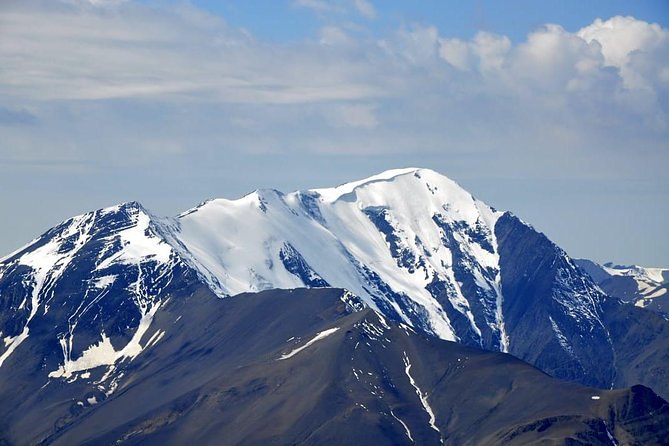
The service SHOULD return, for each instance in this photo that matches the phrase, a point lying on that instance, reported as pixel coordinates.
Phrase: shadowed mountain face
(553, 312)
(641, 338)
(316, 367)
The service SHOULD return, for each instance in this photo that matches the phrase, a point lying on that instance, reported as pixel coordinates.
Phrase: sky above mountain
(558, 111)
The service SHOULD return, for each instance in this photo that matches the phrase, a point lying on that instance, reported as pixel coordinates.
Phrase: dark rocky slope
(217, 377)
(559, 321)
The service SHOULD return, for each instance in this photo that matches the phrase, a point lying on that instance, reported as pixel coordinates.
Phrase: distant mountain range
(644, 287)
(118, 325)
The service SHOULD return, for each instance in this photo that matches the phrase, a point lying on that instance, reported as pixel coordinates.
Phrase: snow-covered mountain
(395, 239)
(411, 243)
(642, 286)
(648, 278)
(95, 283)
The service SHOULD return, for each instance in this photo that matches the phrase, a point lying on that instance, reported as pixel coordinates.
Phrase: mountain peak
(400, 221)
(134, 205)
(332, 194)
(430, 182)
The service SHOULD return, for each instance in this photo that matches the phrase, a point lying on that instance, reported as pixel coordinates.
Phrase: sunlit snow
(236, 244)
(318, 337)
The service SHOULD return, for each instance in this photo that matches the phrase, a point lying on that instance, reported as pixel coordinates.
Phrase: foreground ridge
(214, 379)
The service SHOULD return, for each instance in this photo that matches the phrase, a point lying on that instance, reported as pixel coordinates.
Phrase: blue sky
(282, 20)
(557, 111)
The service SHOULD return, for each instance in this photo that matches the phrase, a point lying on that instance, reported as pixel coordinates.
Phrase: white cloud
(332, 35)
(608, 70)
(485, 52)
(629, 44)
(456, 52)
(365, 8)
(619, 37)
(417, 44)
(552, 57)
(168, 54)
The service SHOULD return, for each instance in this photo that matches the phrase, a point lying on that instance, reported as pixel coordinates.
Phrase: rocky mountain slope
(314, 367)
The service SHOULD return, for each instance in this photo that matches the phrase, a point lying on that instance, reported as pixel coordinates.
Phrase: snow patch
(562, 339)
(406, 428)
(656, 275)
(103, 353)
(334, 193)
(318, 337)
(104, 281)
(656, 293)
(138, 244)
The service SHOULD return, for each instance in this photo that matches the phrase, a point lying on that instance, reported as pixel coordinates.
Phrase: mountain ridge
(641, 286)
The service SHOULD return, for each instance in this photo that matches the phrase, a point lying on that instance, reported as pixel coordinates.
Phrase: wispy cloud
(317, 5)
(137, 52)
(364, 8)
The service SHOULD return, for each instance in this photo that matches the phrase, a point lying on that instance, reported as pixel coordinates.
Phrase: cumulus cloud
(622, 57)
(485, 52)
(610, 71)
(632, 46)
(417, 44)
(619, 37)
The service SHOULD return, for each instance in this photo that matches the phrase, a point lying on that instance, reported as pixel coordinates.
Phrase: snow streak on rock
(422, 396)
(318, 337)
